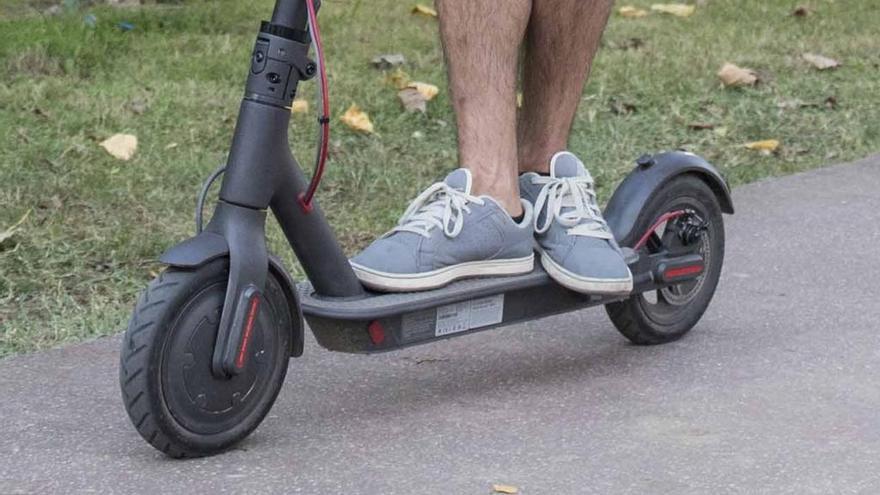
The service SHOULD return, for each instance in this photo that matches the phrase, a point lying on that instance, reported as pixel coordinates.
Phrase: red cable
(663, 218)
(305, 199)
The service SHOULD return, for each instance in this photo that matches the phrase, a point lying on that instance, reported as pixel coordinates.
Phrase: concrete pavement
(777, 390)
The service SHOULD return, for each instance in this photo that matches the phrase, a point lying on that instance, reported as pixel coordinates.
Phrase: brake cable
(305, 198)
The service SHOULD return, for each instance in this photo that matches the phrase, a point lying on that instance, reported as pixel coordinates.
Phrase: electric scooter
(207, 347)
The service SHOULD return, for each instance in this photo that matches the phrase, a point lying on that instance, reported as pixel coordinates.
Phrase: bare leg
(561, 41)
(481, 39)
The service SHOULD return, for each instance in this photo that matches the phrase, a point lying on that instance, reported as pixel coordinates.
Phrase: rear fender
(651, 174)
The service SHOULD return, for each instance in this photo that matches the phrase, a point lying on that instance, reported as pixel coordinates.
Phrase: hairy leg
(561, 41)
(481, 39)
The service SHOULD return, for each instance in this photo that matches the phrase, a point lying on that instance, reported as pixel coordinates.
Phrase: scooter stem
(261, 172)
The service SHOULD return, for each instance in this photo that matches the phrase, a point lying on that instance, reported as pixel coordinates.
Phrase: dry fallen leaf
(299, 106)
(357, 119)
(701, 126)
(121, 146)
(632, 12)
(509, 489)
(424, 10)
(399, 79)
(412, 100)
(732, 75)
(801, 11)
(388, 60)
(429, 91)
(821, 62)
(766, 146)
(676, 9)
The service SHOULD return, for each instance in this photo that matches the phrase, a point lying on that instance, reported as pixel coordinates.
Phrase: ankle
(504, 190)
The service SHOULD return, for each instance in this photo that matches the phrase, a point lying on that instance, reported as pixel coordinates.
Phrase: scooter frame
(261, 173)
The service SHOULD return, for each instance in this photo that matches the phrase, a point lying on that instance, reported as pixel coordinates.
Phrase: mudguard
(651, 173)
(208, 246)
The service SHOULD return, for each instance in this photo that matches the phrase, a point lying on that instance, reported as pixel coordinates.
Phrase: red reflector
(377, 333)
(248, 331)
(682, 271)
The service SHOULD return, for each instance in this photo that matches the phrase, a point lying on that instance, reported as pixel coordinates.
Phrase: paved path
(777, 390)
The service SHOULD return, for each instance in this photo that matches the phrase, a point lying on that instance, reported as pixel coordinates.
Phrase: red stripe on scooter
(682, 271)
(248, 330)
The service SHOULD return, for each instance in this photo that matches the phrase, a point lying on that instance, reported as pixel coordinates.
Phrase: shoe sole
(585, 285)
(407, 282)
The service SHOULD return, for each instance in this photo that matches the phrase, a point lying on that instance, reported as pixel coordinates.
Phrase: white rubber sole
(585, 285)
(407, 282)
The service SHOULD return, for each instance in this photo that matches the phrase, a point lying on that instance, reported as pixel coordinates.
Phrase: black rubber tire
(149, 393)
(632, 316)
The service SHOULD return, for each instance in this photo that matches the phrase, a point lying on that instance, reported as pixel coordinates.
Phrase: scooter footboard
(383, 322)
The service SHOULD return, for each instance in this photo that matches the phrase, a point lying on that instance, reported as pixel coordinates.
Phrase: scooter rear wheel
(668, 314)
(171, 396)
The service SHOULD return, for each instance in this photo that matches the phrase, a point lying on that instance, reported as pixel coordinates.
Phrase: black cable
(200, 204)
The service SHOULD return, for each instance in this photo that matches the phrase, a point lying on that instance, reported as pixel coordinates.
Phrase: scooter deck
(384, 321)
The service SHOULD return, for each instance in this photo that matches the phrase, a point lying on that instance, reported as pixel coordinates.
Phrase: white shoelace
(576, 193)
(438, 206)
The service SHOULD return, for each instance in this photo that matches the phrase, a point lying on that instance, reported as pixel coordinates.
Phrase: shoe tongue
(565, 164)
(460, 179)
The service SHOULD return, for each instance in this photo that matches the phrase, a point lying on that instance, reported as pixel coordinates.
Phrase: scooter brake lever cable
(305, 198)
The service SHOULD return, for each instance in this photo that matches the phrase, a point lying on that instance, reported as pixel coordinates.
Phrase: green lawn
(95, 225)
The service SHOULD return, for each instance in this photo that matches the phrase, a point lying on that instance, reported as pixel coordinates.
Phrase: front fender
(647, 178)
(208, 246)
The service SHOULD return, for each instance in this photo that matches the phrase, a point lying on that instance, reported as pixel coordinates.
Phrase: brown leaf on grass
(701, 126)
(508, 489)
(299, 106)
(632, 12)
(121, 146)
(399, 79)
(412, 100)
(766, 146)
(429, 91)
(357, 119)
(820, 62)
(388, 60)
(801, 11)
(831, 102)
(733, 75)
(676, 9)
(424, 10)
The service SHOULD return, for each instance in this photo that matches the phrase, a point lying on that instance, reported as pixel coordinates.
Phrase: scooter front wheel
(170, 393)
(667, 314)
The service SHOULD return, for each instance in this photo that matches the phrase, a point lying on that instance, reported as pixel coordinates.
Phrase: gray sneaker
(447, 234)
(577, 248)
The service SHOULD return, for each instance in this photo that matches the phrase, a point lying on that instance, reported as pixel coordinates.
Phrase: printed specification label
(466, 315)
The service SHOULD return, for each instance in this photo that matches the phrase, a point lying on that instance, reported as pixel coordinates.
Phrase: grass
(95, 225)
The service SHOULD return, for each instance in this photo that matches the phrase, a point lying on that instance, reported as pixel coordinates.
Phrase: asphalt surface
(777, 390)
